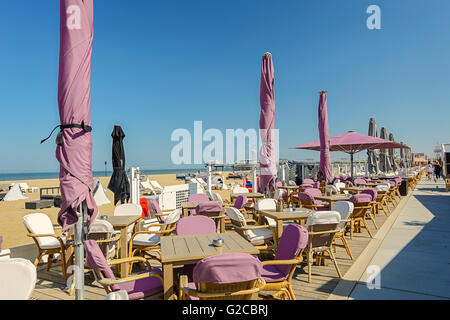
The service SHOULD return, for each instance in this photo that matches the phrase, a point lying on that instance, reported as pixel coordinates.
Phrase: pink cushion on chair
(153, 209)
(227, 268)
(210, 206)
(372, 193)
(196, 225)
(240, 202)
(361, 198)
(198, 197)
(313, 192)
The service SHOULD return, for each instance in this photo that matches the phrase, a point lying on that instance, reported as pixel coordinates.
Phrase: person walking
(429, 170)
(437, 171)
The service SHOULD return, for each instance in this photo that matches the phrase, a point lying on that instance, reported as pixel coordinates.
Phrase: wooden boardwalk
(51, 284)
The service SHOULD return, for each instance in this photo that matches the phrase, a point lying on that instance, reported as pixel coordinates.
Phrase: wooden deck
(51, 284)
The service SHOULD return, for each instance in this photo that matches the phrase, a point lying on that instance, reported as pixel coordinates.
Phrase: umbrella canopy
(74, 150)
(119, 183)
(385, 161)
(372, 155)
(268, 169)
(392, 154)
(351, 143)
(324, 135)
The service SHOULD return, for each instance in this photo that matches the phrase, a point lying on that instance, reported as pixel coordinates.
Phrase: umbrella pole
(351, 164)
(79, 252)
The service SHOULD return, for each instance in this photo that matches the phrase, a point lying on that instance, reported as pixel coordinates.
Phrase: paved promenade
(414, 257)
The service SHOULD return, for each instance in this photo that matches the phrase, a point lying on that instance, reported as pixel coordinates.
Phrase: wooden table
(282, 216)
(122, 223)
(332, 199)
(289, 190)
(186, 206)
(250, 195)
(355, 189)
(181, 250)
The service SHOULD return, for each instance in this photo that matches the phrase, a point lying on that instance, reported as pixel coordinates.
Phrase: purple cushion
(196, 225)
(313, 192)
(227, 268)
(240, 202)
(305, 186)
(361, 198)
(153, 208)
(279, 184)
(372, 193)
(311, 181)
(359, 181)
(198, 197)
(270, 273)
(392, 183)
(137, 289)
(210, 206)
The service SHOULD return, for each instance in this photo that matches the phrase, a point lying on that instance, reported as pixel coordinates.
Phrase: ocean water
(55, 175)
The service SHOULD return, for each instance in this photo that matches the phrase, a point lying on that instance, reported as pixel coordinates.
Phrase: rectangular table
(250, 195)
(189, 249)
(355, 189)
(122, 223)
(332, 199)
(282, 216)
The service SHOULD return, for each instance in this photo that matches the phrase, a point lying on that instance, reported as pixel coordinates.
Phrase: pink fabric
(196, 225)
(227, 268)
(359, 181)
(153, 206)
(305, 181)
(352, 142)
(198, 197)
(313, 192)
(361, 198)
(210, 206)
(370, 192)
(324, 138)
(240, 202)
(268, 170)
(316, 184)
(137, 289)
(75, 155)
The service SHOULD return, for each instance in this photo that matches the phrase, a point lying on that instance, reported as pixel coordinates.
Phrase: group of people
(436, 168)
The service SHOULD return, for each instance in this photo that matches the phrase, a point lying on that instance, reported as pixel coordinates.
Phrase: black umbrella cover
(119, 183)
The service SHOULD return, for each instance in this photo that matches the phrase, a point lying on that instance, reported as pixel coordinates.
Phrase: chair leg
(38, 259)
(352, 226)
(367, 227)
(291, 292)
(49, 261)
(335, 263)
(372, 217)
(310, 257)
(347, 248)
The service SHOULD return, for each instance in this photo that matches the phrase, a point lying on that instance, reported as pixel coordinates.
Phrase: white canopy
(15, 193)
(100, 194)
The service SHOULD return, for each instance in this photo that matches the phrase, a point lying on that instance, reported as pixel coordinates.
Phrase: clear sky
(159, 65)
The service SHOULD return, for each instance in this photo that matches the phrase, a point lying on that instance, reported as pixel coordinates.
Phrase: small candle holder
(218, 242)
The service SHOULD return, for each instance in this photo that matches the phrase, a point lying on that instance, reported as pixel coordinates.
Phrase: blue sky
(160, 65)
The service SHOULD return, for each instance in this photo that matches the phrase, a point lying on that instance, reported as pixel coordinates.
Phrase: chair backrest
(217, 197)
(332, 189)
(17, 279)
(339, 185)
(316, 185)
(292, 183)
(322, 221)
(359, 181)
(197, 224)
(239, 189)
(198, 197)
(210, 208)
(102, 230)
(278, 184)
(39, 223)
(345, 209)
(128, 209)
(266, 204)
(313, 192)
(154, 209)
(240, 202)
(310, 181)
(361, 198)
(230, 272)
(382, 187)
(279, 194)
(370, 192)
(237, 219)
(292, 241)
(171, 219)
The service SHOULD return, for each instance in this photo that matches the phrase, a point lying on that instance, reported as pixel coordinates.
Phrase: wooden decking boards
(51, 284)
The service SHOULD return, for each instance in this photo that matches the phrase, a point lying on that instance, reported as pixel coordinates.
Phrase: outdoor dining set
(244, 247)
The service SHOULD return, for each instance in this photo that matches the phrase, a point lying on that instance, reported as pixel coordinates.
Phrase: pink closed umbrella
(324, 135)
(267, 160)
(74, 150)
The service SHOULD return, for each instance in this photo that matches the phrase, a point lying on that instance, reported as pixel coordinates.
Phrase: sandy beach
(12, 212)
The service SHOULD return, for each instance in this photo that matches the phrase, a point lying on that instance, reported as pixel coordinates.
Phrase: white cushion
(39, 223)
(17, 279)
(345, 208)
(323, 217)
(259, 236)
(239, 190)
(146, 239)
(267, 204)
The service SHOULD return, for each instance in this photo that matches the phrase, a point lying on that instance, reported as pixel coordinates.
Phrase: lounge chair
(231, 276)
(17, 279)
(278, 273)
(40, 229)
(144, 242)
(322, 227)
(156, 186)
(146, 188)
(345, 209)
(258, 235)
(148, 284)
